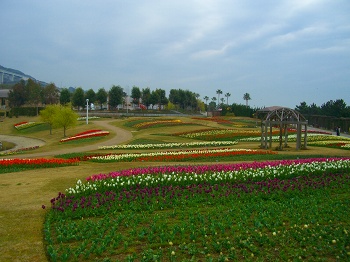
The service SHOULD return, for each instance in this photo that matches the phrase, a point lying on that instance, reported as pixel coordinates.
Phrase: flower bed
(13, 165)
(182, 155)
(17, 151)
(24, 125)
(89, 118)
(220, 134)
(170, 145)
(232, 212)
(86, 134)
(142, 124)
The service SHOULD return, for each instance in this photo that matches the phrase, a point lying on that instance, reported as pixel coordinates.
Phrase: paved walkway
(121, 136)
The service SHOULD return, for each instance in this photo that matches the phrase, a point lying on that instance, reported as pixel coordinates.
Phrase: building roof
(4, 93)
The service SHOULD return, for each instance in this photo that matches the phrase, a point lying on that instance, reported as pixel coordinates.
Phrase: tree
(48, 115)
(135, 94)
(227, 95)
(17, 96)
(78, 99)
(91, 95)
(146, 96)
(303, 108)
(34, 93)
(101, 96)
(115, 96)
(212, 104)
(206, 98)
(246, 97)
(65, 96)
(51, 94)
(65, 117)
(219, 92)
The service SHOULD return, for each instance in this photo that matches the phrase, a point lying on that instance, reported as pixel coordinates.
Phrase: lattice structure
(282, 118)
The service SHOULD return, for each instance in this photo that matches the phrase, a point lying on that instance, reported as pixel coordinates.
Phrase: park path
(121, 136)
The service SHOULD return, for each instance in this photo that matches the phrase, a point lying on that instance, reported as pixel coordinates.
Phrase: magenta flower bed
(200, 169)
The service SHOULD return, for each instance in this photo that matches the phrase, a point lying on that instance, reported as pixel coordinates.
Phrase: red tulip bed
(295, 210)
(86, 134)
(15, 165)
(25, 125)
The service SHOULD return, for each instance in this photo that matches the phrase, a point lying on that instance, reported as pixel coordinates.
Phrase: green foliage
(51, 94)
(78, 99)
(91, 95)
(101, 96)
(115, 96)
(309, 225)
(48, 115)
(65, 96)
(24, 111)
(65, 117)
(135, 94)
(17, 96)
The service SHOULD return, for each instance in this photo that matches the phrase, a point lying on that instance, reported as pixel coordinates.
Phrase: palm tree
(213, 99)
(206, 98)
(218, 92)
(227, 95)
(246, 97)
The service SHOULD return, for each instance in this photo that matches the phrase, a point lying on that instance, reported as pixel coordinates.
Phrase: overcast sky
(280, 52)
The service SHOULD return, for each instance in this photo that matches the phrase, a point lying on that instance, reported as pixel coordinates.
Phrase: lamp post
(87, 111)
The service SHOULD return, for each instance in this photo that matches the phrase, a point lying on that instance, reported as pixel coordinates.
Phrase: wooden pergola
(281, 117)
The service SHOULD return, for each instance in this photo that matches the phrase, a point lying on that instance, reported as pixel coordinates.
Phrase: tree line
(32, 93)
(337, 108)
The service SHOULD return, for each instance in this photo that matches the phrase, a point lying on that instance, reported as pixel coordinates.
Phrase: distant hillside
(6, 78)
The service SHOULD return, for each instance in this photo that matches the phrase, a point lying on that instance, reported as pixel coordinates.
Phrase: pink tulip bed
(86, 134)
(295, 210)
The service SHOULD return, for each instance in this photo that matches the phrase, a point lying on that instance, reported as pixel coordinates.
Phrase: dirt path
(25, 142)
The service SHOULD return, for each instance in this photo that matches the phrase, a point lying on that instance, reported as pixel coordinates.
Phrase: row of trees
(31, 93)
(337, 108)
(221, 101)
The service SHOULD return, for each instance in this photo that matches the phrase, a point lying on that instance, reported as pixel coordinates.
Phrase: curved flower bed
(214, 134)
(17, 151)
(178, 155)
(218, 173)
(142, 123)
(209, 212)
(86, 134)
(170, 145)
(25, 124)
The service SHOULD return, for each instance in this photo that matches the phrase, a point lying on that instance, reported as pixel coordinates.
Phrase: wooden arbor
(281, 117)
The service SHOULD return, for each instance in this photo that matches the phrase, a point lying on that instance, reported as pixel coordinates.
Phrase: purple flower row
(98, 203)
(200, 169)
